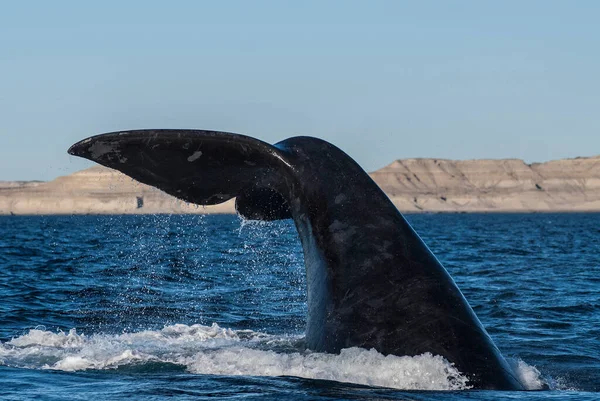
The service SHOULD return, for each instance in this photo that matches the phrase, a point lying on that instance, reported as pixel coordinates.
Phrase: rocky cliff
(509, 185)
(414, 185)
(97, 190)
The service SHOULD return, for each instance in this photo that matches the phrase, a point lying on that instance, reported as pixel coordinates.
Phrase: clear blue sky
(381, 79)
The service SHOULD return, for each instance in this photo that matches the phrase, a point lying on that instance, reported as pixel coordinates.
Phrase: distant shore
(413, 185)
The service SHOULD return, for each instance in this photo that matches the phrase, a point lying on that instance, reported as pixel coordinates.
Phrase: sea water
(198, 307)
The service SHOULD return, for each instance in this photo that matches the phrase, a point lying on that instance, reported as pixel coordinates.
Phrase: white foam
(355, 365)
(49, 339)
(222, 351)
(528, 375)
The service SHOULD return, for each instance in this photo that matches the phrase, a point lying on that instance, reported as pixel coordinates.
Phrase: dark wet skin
(372, 282)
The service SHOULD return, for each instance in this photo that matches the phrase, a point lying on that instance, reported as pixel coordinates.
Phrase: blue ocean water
(204, 307)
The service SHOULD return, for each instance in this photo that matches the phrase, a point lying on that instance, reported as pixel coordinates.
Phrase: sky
(383, 80)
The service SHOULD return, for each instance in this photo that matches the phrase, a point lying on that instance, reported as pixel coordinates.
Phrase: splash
(528, 375)
(221, 351)
(355, 365)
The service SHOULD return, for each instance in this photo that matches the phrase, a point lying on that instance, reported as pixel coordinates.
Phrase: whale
(371, 280)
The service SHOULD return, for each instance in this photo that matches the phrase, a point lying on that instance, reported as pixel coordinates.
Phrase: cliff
(414, 185)
(97, 190)
(508, 185)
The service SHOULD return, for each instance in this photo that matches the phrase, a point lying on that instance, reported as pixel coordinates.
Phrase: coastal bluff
(414, 185)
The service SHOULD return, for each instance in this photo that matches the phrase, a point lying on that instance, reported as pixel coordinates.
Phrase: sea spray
(221, 351)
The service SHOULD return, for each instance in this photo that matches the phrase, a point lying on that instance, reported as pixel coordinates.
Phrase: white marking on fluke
(195, 156)
(99, 149)
(339, 199)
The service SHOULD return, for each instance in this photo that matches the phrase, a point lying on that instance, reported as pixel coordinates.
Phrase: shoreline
(410, 212)
(414, 186)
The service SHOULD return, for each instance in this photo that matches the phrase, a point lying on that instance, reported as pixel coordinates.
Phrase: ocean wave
(222, 351)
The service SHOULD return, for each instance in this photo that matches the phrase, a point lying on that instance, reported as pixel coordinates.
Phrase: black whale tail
(200, 167)
(371, 281)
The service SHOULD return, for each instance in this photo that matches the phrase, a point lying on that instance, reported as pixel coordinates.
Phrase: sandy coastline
(414, 185)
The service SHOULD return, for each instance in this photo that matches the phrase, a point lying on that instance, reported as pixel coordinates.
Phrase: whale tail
(371, 281)
(200, 167)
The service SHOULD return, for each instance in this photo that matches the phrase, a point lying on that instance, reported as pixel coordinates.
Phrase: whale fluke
(371, 281)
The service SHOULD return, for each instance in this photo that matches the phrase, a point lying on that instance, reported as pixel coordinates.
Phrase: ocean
(213, 307)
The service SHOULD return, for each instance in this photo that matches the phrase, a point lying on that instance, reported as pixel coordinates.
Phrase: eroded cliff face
(492, 185)
(97, 190)
(414, 185)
